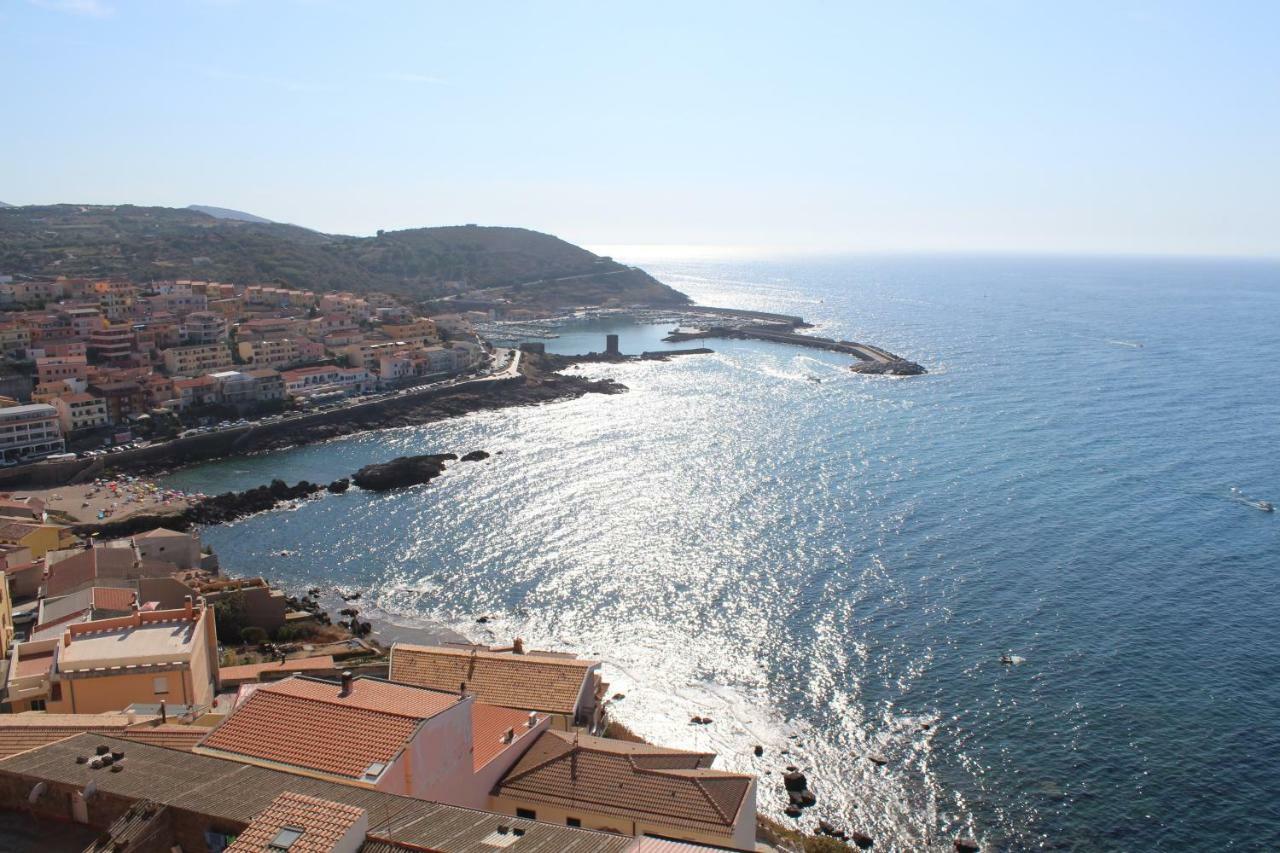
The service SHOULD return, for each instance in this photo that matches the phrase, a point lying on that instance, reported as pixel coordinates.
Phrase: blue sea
(835, 568)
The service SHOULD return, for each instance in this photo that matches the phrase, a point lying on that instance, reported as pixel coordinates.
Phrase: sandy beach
(109, 499)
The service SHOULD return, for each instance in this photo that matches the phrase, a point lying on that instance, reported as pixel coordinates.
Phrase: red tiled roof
(323, 823)
(112, 598)
(303, 722)
(531, 682)
(168, 735)
(628, 779)
(372, 695)
(489, 724)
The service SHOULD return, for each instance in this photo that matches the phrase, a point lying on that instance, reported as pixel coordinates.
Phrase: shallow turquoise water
(822, 567)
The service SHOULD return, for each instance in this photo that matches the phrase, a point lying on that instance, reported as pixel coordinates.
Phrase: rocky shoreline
(398, 473)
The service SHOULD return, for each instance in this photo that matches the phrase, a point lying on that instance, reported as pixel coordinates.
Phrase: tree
(230, 616)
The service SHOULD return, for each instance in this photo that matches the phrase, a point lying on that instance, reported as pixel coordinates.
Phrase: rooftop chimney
(462, 689)
(346, 684)
(517, 646)
(164, 715)
(509, 735)
(186, 605)
(532, 721)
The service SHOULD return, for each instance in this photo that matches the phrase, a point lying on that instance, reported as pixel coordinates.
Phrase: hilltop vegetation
(147, 243)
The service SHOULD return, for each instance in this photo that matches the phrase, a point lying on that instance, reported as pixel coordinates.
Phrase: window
(527, 814)
(285, 838)
(37, 704)
(572, 821)
(160, 684)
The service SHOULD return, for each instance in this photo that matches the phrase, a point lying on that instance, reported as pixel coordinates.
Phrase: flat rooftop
(156, 642)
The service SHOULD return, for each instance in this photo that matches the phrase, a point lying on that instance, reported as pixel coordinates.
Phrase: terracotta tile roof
(323, 823)
(370, 694)
(628, 779)
(21, 732)
(530, 682)
(168, 735)
(112, 598)
(255, 671)
(488, 725)
(15, 530)
(303, 722)
(68, 570)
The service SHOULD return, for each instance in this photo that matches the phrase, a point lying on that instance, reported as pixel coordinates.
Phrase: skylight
(285, 838)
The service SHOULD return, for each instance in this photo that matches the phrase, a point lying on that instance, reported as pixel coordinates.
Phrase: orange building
(109, 664)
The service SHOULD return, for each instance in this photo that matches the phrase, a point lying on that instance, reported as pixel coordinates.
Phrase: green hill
(149, 243)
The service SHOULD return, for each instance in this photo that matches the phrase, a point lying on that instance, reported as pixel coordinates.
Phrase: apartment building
(308, 381)
(203, 327)
(29, 432)
(33, 292)
(198, 391)
(196, 360)
(419, 331)
(15, 340)
(278, 351)
(77, 412)
(109, 664)
(124, 397)
(58, 368)
(113, 343)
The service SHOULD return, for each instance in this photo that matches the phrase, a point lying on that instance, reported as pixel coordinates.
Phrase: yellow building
(40, 538)
(6, 616)
(418, 331)
(196, 360)
(109, 664)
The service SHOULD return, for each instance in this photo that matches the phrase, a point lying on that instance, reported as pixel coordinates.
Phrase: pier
(871, 359)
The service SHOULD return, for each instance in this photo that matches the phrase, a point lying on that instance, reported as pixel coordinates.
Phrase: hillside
(226, 213)
(147, 243)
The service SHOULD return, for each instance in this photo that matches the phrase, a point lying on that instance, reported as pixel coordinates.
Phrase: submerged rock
(966, 845)
(475, 456)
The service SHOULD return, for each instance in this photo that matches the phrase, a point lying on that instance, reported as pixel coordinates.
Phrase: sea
(1029, 597)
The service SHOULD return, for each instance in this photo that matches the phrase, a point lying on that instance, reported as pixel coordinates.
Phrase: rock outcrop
(896, 367)
(218, 509)
(402, 471)
(475, 456)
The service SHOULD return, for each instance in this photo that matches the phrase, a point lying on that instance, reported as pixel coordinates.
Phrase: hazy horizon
(1098, 129)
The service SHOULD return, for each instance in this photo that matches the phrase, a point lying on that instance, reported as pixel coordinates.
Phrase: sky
(990, 125)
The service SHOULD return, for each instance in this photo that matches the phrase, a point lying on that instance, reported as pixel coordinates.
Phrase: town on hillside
(152, 703)
(92, 367)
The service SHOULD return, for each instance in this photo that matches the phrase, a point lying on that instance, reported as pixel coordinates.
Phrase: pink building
(370, 733)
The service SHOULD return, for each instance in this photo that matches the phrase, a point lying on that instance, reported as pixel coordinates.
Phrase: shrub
(253, 635)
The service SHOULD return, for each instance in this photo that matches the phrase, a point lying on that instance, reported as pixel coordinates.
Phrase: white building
(29, 432)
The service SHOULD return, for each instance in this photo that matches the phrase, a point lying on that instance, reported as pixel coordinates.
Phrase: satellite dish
(37, 791)
(90, 789)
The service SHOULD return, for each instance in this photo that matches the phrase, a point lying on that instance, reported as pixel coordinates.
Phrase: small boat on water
(813, 378)
(1265, 506)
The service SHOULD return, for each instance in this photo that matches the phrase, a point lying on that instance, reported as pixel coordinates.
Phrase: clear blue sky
(1076, 126)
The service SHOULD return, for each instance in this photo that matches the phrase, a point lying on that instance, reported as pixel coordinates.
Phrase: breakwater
(871, 359)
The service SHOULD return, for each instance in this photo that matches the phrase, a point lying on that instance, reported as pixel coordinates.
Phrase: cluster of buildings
(86, 357)
(121, 713)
